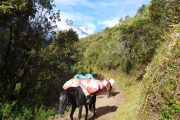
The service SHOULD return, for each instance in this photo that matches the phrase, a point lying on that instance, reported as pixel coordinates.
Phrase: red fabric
(91, 85)
(74, 82)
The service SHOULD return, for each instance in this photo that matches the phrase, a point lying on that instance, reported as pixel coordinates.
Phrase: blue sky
(95, 15)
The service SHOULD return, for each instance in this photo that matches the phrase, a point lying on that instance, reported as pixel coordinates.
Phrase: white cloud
(61, 25)
(91, 26)
(110, 22)
(88, 13)
(82, 31)
(75, 16)
(86, 27)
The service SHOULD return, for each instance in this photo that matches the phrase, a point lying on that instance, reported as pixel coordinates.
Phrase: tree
(141, 9)
(25, 29)
(57, 60)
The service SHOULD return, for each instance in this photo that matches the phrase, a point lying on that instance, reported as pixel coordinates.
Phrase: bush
(161, 81)
(6, 109)
(11, 111)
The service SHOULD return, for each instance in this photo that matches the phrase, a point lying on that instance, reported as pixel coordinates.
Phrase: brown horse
(107, 83)
(108, 88)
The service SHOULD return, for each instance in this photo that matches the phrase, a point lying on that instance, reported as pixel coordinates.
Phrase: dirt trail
(105, 107)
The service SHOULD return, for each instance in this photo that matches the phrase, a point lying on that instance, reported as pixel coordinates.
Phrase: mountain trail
(105, 107)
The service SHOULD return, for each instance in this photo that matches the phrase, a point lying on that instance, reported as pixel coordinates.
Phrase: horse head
(63, 101)
(107, 83)
(76, 97)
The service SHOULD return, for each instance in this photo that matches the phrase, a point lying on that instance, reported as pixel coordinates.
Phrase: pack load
(90, 76)
(90, 85)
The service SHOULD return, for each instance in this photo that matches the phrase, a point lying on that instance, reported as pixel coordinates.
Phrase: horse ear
(111, 81)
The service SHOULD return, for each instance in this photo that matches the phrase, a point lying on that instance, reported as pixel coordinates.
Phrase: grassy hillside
(129, 44)
(162, 81)
(130, 92)
(97, 50)
(136, 43)
(36, 60)
(132, 42)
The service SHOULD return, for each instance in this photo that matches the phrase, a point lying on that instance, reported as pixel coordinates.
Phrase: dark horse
(76, 98)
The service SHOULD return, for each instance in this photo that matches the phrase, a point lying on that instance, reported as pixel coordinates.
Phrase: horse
(90, 85)
(107, 83)
(108, 88)
(76, 98)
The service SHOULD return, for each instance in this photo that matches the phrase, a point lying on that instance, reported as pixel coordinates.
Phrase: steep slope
(129, 48)
(162, 81)
(125, 46)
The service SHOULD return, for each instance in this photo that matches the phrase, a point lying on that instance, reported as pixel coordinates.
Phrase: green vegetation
(162, 81)
(131, 43)
(11, 111)
(35, 60)
(130, 91)
(141, 53)
(150, 88)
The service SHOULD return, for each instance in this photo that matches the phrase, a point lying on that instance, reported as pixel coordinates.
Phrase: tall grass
(162, 81)
(11, 111)
(130, 91)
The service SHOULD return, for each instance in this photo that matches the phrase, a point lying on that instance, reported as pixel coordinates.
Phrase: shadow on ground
(114, 93)
(104, 110)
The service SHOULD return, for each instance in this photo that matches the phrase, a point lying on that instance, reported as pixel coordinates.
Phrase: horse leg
(72, 112)
(94, 106)
(86, 107)
(77, 95)
(94, 109)
(80, 111)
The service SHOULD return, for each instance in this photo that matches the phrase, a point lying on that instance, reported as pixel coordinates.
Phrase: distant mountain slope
(81, 31)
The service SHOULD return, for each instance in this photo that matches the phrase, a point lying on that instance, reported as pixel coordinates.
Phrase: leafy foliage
(165, 12)
(162, 81)
(11, 111)
(133, 43)
(34, 59)
(127, 45)
(96, 50)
